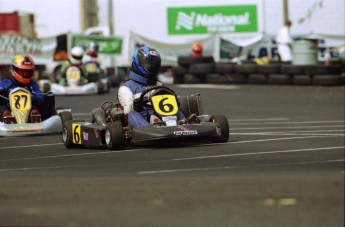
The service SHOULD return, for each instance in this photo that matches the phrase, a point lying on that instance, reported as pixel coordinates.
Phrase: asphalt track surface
(282, 166)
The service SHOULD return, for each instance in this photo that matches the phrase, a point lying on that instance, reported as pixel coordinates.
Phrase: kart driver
(146, 63)
(21, 72)
(91, 64)
(77, 54)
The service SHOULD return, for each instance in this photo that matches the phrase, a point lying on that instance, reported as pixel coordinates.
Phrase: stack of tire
(193, 69)
(230, 73)
(281, 74)
(326, 75)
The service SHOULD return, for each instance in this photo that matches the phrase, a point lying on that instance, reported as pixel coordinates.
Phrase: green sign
(203, 20)
(107, 45)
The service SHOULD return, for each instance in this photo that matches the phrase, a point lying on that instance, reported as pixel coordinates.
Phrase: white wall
(53, 17)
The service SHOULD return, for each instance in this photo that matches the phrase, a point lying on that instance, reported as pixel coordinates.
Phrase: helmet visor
(24, 72)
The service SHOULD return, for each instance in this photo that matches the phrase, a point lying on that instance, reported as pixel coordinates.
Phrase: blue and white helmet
(146, 62)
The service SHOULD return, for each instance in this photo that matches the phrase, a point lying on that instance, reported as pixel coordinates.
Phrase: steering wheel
(146, 102)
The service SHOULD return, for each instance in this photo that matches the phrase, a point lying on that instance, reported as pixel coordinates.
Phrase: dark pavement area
(282, 166)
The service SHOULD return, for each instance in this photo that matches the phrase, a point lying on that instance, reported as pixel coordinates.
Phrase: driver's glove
(138, 105)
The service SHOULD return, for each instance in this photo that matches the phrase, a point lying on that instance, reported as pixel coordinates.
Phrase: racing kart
(21, 104)
(74, 85)
(115, 135)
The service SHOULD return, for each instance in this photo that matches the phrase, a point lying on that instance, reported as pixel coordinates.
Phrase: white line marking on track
(72, 155)
(239, 167)
(170, 160)
(324, 126)
(254, 153)
(129, 150)
(33, 145)
(258, 119)
(287, 134)
(34, 168)
(290, 122)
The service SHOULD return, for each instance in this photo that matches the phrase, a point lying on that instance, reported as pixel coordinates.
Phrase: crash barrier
(279, 74)
(199, 67)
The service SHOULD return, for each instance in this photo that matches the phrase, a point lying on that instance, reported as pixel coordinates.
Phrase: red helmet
(22, 69)
(196, 49)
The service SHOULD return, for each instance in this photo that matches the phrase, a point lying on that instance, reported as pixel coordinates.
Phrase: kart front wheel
(65, 116)
(67, 135)
(114, 136)
(224, 128)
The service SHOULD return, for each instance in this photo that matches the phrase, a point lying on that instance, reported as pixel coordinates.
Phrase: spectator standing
(284, 42)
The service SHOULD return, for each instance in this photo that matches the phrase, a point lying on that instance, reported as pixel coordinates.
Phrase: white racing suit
(130, 90)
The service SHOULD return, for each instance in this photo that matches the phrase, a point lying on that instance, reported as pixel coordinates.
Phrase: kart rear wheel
(224, 128)
(114, 136)
(67, 135)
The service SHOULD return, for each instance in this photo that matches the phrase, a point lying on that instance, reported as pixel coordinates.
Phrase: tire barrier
(204, 70)
(301, 79)
(258, 79)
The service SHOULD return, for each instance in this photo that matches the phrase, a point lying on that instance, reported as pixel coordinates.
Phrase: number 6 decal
(76, 133)
(165, 105)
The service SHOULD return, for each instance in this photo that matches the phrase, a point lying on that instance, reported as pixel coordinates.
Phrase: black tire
(302, 80)
(114, 136)
(238, 78)
(323, 70)
(224, 128)
(279, 79)
(201, 68)
(65, 116)
(46, 88)
(329, 80)
(190, 105)
(268, 69)
(218, 78)
(186, 61)
(194, 79)
(3, 107)
(224, 68)
(179, 70)
(246, 69)
(100, 88)
(67, 135)
(258, 79)
(292, 69)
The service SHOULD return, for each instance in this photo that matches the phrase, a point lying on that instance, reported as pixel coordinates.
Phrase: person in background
(21, 72)
(77, 54)
(92, 67)
(196, 49)
(284, 41)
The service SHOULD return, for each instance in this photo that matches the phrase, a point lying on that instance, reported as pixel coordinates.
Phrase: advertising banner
(107, 45)
(204, 20)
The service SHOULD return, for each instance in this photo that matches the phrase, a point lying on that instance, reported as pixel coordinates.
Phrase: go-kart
(115, 135)
(74, 85)
(21, 104)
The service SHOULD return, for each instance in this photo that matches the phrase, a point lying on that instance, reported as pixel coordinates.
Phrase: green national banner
(107, 45)
(204, 20)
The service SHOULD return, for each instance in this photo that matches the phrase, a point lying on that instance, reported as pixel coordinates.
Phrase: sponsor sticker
(185, 131)
(85, 136)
